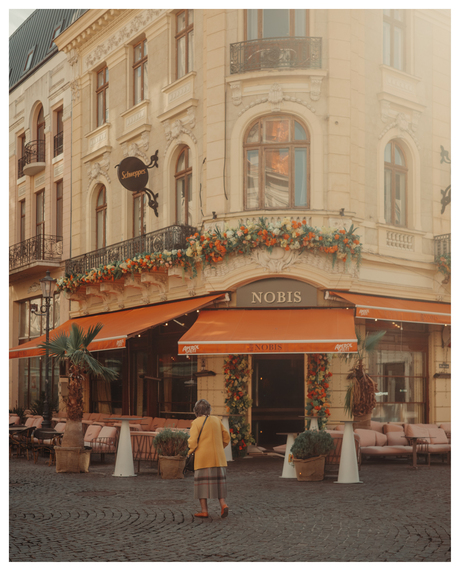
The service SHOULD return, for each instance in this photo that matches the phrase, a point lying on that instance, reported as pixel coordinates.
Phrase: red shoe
(201, 514)
(224, 512)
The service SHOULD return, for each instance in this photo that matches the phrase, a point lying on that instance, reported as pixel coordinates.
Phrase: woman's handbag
(190, 460)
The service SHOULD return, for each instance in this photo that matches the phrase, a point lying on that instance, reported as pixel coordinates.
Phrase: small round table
(348, 467)
(124, 464)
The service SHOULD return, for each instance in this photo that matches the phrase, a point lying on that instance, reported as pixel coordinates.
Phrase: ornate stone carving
(99, 169)
(34, 287)
(285, 98)
(275, 96)
(81, 299)
(237, 96)
(315, 87)
(279, 261)
(174, 131)
(138, 149)
(122, 36)
(403, 125)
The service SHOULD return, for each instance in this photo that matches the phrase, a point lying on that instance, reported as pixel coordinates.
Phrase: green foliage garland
(237, 375)
(213, 246)
(444, 264)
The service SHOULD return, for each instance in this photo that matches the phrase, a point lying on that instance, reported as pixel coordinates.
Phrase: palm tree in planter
(360, 396)
(72, 348)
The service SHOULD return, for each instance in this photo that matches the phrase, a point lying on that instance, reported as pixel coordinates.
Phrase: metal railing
(170, 238)
(37, 249)
(441, 245)
(58, 144)
(275, 53)
(21, 163)
(34, 152)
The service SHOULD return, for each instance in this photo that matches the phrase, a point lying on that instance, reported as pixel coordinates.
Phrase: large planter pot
(72, 459)
(311, 469)
(363, 421)
(171, 467)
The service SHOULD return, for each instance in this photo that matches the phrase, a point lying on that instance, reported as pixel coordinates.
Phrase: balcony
(441, 245)
(170, 238)
(39, 250)
(34, 157)
(275, 53)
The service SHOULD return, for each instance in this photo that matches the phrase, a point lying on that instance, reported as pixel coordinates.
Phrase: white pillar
(288, 466)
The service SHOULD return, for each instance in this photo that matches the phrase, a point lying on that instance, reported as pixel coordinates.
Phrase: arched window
(183, 178)
(395, 185)
(41, 136)
(101, 217)
(277, 164)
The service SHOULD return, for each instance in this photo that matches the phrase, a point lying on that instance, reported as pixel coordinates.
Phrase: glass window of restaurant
(178, 387)
(32, 370)
(399, 367)
(106, 396)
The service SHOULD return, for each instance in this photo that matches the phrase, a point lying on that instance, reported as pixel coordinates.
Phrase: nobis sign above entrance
(276, 292)
(133, 175)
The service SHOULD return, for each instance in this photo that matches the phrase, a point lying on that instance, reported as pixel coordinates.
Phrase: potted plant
(72, 456)
(172, 448)
(360, 396)
(309, 451)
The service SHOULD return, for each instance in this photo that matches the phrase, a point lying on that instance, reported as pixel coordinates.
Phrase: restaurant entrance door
(278, 397)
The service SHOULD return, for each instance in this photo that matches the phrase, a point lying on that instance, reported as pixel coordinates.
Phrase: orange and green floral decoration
(213, 246)
(318, 377)
(237, 375)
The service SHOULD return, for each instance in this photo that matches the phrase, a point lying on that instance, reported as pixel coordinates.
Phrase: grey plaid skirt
(210, 483)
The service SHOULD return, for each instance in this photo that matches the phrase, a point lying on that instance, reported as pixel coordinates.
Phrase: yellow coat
(210, 452)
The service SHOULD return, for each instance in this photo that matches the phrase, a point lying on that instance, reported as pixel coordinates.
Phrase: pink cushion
(340, 427)
(92, 432)
(386, 450)
(438, 436)
(445, 426)
(377, 426)
(392, 428)
(396, 439)
(367, 437)
(60, 427)
(418, 431)
(107, 432)
(380, 439)
(438, 448)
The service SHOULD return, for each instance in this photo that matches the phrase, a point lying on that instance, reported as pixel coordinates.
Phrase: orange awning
(119, 325)
(392, 309)
(217, 332)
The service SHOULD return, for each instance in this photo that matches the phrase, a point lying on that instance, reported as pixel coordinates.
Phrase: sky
(17, 17)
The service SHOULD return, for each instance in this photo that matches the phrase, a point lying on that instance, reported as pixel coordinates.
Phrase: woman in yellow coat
(210, 461)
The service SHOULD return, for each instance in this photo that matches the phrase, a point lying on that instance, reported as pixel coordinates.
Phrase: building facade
(257, 183)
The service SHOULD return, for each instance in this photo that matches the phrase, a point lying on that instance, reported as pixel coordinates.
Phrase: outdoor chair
(142, 446)
(105, 442)
(92, 432)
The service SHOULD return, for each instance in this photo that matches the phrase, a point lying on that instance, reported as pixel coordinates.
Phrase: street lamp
(48, 285)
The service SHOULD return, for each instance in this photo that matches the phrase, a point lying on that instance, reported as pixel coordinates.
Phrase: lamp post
(48, 285)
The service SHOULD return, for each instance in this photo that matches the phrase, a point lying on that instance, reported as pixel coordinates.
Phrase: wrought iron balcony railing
(58, 144)
(35, 152)
(275, 53)
(21, 163)
(170, 238)
(37, 249)
(441, 245)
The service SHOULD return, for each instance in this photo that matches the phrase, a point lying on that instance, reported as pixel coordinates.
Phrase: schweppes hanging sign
(133, 175)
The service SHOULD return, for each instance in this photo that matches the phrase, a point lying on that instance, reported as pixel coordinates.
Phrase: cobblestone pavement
(397, 514)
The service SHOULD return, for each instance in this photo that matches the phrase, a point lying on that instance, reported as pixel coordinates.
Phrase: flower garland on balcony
(237, 375)
(213, 246)
(443, 262)
(318, 388)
